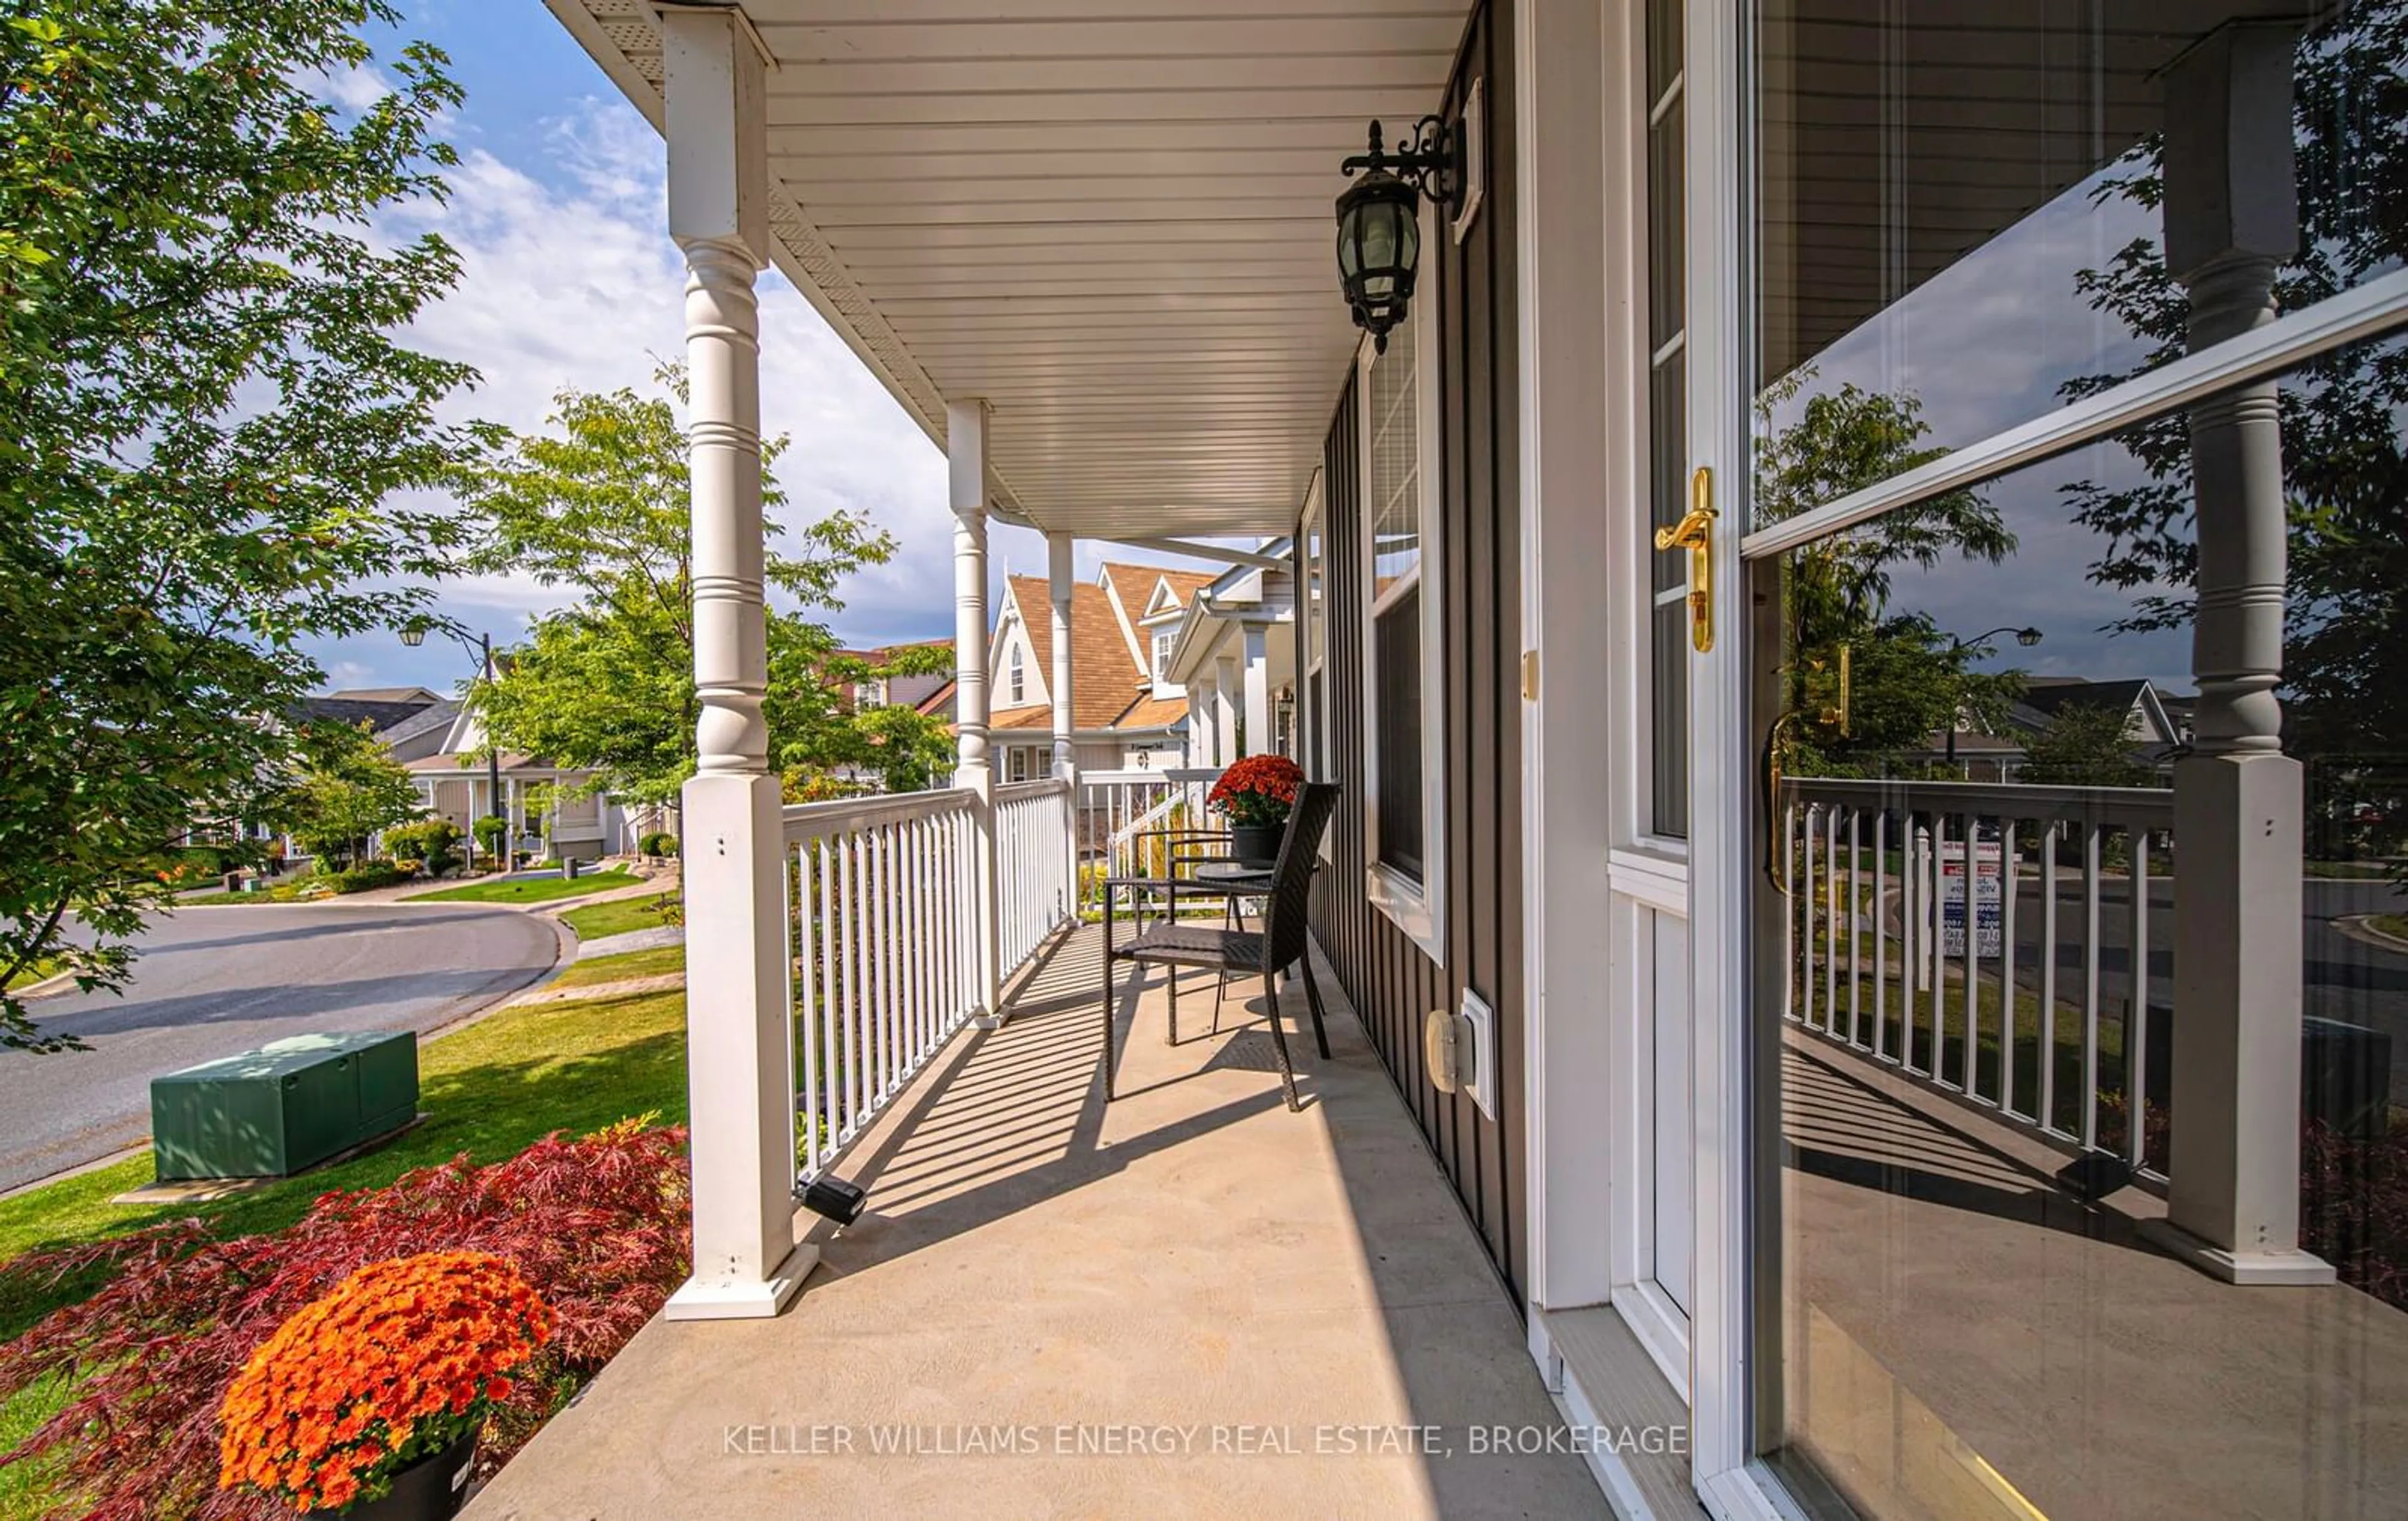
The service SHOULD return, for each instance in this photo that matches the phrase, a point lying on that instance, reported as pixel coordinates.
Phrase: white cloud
(570, 279)
(351, 89)
(574, 282)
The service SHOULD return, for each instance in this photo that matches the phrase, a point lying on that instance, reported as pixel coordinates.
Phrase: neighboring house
(456, 782)
(892, 690)
(1125, 715)
(1236, 659)
(2157, 721)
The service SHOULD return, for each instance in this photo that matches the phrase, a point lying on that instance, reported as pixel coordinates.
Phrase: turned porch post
(739, 1030)
(965, 425)
(2232, 216)
(1059, 591)
(1260, 740)
(1225, 711)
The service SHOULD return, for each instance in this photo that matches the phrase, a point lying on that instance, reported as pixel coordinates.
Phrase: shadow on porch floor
(1191, 1267)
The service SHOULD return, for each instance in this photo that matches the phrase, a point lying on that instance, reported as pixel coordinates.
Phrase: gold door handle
(1695, 533)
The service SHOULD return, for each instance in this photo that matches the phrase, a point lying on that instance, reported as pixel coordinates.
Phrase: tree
(907, 749)
(205, 416)
(346, 790)
(2086, 744)
(1907, 678)
(2345, 460)
(600, 506)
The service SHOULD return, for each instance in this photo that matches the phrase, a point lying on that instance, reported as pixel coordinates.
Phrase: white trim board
(2367, 311)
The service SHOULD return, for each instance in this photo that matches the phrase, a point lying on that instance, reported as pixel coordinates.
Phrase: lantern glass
(1379, 242)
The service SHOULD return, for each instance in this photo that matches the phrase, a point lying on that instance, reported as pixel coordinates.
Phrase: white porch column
(2232, 217)
(1260, 740)
(1060, 571)
(966, 423)
(1058, 588)
(1225, 710)
(739, 1043)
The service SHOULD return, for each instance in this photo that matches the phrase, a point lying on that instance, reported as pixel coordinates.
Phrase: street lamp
(481, 647)
(2026, 637)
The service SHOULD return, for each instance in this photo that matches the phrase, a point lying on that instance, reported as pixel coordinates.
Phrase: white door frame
(1593, 875)
(1570, 275)
(1722, 774)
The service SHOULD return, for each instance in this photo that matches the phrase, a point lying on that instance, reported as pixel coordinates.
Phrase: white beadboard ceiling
(1110, 218)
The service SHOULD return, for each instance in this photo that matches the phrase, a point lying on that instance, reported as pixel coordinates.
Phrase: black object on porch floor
(1281, 942)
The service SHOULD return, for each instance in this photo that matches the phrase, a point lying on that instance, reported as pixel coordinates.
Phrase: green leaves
(601, 505)
(347, 789)
(205, 422)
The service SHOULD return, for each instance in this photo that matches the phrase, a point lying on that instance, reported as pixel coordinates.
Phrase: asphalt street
(212, 981)
(2341, 976)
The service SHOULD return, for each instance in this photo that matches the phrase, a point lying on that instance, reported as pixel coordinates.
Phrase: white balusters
(1944, 954)
(885, 954)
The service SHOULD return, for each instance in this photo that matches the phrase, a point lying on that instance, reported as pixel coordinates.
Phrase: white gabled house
(1123, 716)
(459, 782)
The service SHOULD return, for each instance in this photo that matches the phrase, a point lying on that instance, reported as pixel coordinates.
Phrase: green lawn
(619, 968)
(25, 1491)
(618, 916)
(43, 969)
(2355, 871)
(2394, 924)
(529, 889)
(489, 1090)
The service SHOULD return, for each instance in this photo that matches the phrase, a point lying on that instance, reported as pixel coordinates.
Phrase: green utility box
(284, 1108)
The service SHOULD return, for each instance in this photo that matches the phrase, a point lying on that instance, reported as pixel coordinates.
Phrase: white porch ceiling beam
(1205, 552)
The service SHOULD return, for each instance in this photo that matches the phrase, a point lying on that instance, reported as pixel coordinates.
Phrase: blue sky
(571, 281)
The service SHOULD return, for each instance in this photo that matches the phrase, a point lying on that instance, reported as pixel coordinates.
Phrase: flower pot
(1253, 842)
(430, 1489)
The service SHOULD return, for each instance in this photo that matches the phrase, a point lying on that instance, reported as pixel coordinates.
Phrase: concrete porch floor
(1190, 1302)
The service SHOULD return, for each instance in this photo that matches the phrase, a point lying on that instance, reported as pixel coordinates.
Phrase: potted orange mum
(367, 1403)
(1256, 796)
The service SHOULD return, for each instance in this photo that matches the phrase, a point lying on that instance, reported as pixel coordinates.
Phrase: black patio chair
(1279, 944)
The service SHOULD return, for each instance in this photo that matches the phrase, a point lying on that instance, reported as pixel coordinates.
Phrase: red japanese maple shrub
(595, 1224)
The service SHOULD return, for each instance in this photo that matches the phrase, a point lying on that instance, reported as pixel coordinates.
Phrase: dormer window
(1015, 676)
(1164, 640)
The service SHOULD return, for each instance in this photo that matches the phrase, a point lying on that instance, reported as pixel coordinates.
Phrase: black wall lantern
(1379, 219)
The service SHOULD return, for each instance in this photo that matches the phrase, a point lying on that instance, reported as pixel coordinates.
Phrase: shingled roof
(1106, 679)
(1134, 584)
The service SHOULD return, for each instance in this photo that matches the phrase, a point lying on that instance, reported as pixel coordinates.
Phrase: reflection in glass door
(2080, 1047)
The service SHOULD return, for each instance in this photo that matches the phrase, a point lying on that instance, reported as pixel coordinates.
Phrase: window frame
(1416, 908)
(1015, 674)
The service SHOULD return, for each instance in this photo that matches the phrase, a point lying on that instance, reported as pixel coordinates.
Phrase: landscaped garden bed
(99, 1301)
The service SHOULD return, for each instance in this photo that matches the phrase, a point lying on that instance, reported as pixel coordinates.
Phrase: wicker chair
(1279, 944)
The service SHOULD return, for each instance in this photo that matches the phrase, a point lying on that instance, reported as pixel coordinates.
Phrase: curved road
(212, 981)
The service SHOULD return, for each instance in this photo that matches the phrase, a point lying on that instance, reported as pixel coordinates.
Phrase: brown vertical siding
(1390, 980)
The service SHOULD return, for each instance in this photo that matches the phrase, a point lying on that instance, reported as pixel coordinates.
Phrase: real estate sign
(1989, 905)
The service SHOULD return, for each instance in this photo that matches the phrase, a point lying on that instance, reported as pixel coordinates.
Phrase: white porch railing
(1992, 940)
(883, 895)
(1034, 892)
(1117, 808)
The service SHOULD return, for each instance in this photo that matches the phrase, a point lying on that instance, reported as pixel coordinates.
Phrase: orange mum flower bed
(399, 1363)
(1258, 790)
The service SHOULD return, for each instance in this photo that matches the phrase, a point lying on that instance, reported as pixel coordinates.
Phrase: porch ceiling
(1110, 218)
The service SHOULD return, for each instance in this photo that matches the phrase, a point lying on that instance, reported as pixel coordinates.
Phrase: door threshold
(1630, 1424)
